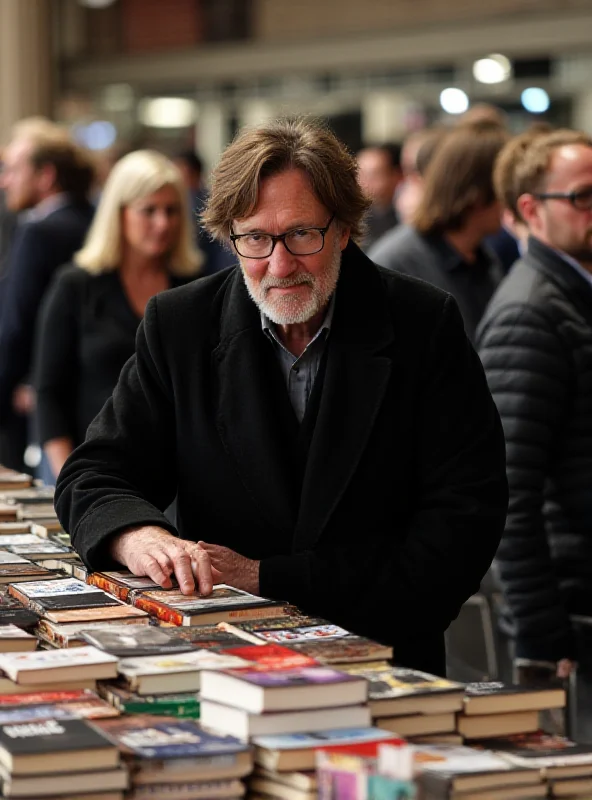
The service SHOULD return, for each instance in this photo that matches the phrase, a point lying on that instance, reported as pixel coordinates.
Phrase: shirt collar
(268, 327)
(47, 207)
(452, 259)
(575, 264)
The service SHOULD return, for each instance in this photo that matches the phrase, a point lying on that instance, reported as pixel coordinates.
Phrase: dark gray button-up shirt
(300, 372)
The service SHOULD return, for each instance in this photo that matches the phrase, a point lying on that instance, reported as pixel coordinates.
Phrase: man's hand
(156, 553)
(232, 568)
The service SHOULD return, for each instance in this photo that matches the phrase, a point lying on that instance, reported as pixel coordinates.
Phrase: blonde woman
(140, 243)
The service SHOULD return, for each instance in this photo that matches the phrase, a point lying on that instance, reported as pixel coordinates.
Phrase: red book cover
(40, 698)
(268, 657)
(158, 610)
(362, 749)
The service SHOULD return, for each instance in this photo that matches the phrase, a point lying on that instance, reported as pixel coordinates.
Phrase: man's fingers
(148, 565)
(166, 565)
(202, 569)
(183, 571)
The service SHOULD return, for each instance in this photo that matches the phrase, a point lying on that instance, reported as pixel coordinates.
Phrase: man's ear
(344, 232)
(528, 206)
(47, 178)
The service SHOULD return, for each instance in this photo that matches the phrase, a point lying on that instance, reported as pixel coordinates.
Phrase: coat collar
(248, 381)
(560, 272)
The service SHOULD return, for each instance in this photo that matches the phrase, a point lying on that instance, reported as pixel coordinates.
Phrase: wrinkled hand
(232, 568)
(156, 553)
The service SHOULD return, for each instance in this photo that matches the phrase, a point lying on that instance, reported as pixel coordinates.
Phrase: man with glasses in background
(325, 425)
(535, 341)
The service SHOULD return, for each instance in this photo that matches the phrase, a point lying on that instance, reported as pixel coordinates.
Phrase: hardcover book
(398, 691)
(175, 705)
(58, 665)
(282, 690)
(14, 638)
(25, 572)
(208, 637)
(224, 603)
(51, 746)
(490, 725)
(493, 697)
(118, 612)
(121, 582)
(135, 640)
(70, 634)
(62, 594)
(271, 657)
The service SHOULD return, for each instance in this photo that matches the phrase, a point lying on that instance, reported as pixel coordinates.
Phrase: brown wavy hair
(273, 148)
(459, 177)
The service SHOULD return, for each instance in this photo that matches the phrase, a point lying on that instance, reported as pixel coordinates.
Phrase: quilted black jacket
(535, 341)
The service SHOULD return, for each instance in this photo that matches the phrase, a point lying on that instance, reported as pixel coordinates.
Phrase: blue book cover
(329, 738)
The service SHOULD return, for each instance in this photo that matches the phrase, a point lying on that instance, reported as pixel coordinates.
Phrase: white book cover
(184, 662)
(19, 538)
(12, 558)
(12, 632)
(60, 586)
(13, 663)
(450, 758)
(43, 546)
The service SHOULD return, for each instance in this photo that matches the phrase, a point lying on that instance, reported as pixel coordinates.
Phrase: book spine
(108, 585)
(257, 612)
(242, 634)
(158, 610)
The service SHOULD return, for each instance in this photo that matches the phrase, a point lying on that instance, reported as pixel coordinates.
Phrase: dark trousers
(13, 442)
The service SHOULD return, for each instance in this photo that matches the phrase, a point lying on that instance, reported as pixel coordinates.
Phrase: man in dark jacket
(46, 179)
(325, 425)
(536, 345)
(457, 210)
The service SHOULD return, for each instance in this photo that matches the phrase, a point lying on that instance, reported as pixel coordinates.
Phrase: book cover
(10, 716)
(160, 738)
(173, 606)
(321, 739)
(392, 682)
(121, 582)
(271, 657)
(42, 698)
(344, 650)
(136, 640)
(494, 697)
(288, 630)
(7, 557)
(302, 676)
(181, 705)
(11, 539)
(14, 664)
(12, 572)
(9, 631)
(63, 602)
(40, 589)
(50, 736)
(70, 634)
(208, 637)
(538, 749)
(21, 617)
(44, 547)
(190, 661)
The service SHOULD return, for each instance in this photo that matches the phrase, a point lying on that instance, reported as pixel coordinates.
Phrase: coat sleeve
(420, 576)
(128, 455)
(56, 361)
(527, 371)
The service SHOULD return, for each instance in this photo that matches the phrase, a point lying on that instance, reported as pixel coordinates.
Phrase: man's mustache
(269, 282)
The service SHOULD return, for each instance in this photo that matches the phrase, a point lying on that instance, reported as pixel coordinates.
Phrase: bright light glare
(535, 100)
(496, 68)
(454, 101)
(167, 112)
(96, 135)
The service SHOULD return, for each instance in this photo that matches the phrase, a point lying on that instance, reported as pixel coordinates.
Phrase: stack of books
(58, 755)
(11, 481)
(170, 758)
(271, 697)
(493, 709)
(413, 704)
(285, 765)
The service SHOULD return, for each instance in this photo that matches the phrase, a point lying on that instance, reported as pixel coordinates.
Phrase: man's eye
(255, 238)
(302, 233)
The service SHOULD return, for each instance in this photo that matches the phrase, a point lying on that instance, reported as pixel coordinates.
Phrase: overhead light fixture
(167, 112)
(454, 101)
(535, 100)
(96, 3)
(496, 68)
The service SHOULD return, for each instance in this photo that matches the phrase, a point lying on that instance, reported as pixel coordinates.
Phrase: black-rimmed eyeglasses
(298, 242)
(582, 201)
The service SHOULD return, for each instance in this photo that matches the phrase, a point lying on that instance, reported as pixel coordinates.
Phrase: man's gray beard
(290, 311)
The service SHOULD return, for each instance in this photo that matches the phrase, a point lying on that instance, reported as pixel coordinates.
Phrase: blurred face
(377, 176)
(23, 185)
(555, 221)
(291, 289)
(152, 224)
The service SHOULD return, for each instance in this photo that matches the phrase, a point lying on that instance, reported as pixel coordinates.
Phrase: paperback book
(178, 705)
(59, 665)
(493, 697)
(135, 640)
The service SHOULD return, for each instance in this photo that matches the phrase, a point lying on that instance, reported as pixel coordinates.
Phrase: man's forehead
(18, 150)
(569, 163)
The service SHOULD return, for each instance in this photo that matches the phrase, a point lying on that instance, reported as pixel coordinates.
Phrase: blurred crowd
(502, 222)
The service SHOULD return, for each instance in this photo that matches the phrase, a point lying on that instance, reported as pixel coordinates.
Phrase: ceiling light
(496, 68)
(454, 101)
(535, 100)
(167, 112)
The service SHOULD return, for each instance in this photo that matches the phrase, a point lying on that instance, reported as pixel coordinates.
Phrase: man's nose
(281, 261)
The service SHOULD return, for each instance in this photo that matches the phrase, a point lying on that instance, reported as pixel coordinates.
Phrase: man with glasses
(536, 345)
(325, 425)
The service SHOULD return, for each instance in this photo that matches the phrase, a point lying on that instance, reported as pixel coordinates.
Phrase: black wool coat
(535, 341)
(389, 521)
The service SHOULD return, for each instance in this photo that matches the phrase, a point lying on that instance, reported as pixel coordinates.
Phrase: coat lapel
(253, 414)
(356, 379)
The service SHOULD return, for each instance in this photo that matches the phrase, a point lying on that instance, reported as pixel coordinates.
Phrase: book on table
(69, 634)
(490, 725)
(418, 724)
(62, 594)
(13, 638)
(259, 691)
(557, 756)
(494, 697)
(179, 705)
(135, 640)
(80, 703)
(74, 785)
(59, 665)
